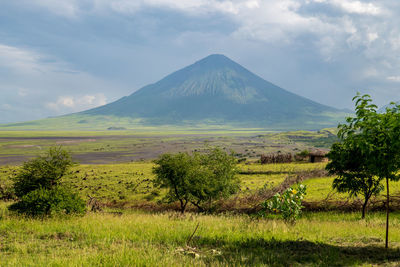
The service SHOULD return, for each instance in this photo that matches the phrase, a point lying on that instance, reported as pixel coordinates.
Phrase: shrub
(43, 201)
(38, 188)
(288, 203)
(198, 179)
(43, 171)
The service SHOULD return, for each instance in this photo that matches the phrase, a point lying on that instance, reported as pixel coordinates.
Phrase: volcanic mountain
(219, 90)
(212, 92)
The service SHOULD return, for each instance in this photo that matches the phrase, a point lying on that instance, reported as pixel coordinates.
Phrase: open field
(144, 239)
(126, 146)
(137, 227)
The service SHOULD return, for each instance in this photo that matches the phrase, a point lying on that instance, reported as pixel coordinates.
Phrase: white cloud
(372, 36)
(77, 103)
(267, 20)
(32, 80)
(357, 7)
(21, 60)
(358, 37)
(189, 6)
(18, 59)
(394, 78)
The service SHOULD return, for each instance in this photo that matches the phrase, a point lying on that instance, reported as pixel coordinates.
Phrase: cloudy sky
(64, 56)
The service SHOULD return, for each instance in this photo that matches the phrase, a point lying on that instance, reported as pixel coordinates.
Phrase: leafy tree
(375, 139)
(43, 171)
(215, 178)
(347, 162)
(38, 187)
(198, 179)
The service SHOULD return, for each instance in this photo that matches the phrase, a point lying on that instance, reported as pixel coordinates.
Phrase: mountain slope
(214, 92)
(216, 89)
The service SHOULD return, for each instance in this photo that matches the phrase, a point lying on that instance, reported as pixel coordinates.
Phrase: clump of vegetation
(199, 179)
(42, 202)
(288, 203)
(38, 188)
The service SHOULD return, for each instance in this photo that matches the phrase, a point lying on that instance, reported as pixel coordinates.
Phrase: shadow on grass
(252, 252)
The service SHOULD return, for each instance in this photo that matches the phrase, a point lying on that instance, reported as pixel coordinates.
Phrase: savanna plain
(129, 223)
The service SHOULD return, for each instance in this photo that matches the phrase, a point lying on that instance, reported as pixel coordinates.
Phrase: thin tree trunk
(387, 213)
(364, 207)
(183, 206)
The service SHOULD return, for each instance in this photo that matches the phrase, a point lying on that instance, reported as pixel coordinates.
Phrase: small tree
(375, 139)
(38, 188)
(173, 173)
(348, 162)
(198, 179)
(43, 171)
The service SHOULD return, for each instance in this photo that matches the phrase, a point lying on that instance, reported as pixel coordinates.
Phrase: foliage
(198, 178)
(43, 201)
(288, 203)
(347, 161)
(374, 138)
(42, 172)
(303, 153)
(37, 185)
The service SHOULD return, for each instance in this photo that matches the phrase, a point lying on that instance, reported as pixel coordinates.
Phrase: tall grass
(143, 239)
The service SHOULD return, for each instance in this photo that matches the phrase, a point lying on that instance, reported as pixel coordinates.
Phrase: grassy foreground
(128, 237)
(143, 239)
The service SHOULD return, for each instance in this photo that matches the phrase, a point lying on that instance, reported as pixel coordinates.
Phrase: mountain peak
(215, 61)
(216, 58)
(216, 88)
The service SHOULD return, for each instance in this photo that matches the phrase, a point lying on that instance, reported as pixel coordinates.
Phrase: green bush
(199, 179)
(43, 171)
(38, 188)
(57, 200)
(288, 203)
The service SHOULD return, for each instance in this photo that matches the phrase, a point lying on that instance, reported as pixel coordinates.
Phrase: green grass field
(152, 239)
(136, 228)
(121, 235)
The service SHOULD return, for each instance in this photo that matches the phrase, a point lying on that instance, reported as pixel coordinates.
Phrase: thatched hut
(318, 156)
